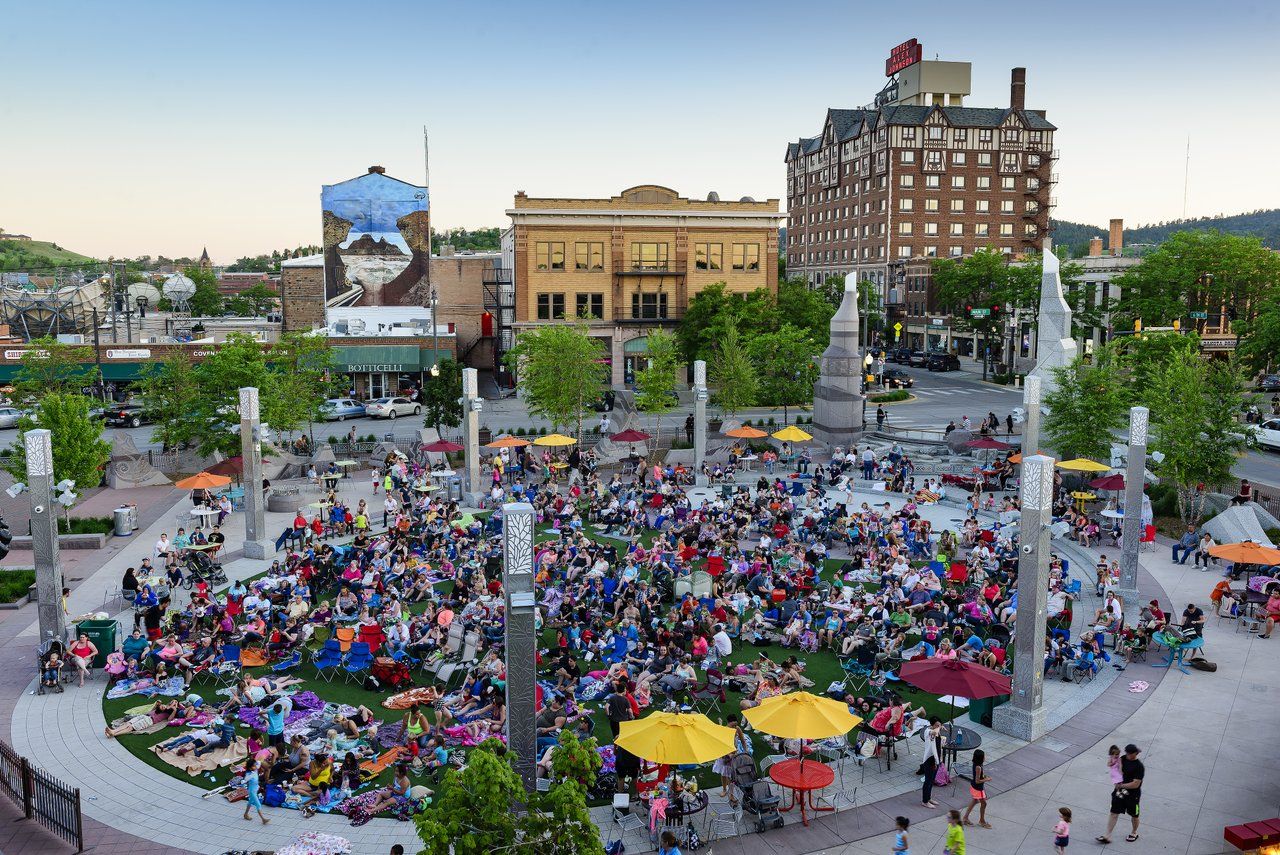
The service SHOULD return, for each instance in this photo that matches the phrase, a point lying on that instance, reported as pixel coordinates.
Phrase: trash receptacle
(455, 488)
(120, 519)
(103, 634)
(980, 709)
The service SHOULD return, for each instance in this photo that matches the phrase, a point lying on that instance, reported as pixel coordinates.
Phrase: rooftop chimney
(1095, 247)
(1117, 236)
(1018, 89)
(380, 170)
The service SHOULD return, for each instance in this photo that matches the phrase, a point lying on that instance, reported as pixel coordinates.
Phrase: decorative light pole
(1135, 475)
(38, 445)
(521, 641)
(700, 396)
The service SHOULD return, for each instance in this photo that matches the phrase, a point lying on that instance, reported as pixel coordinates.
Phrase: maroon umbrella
(630, 435)
(1109, 482)
(442, 445)
(232, 467)
(955, 678)
(987, 443)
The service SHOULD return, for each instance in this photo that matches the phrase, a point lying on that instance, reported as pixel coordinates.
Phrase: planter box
(66, 541)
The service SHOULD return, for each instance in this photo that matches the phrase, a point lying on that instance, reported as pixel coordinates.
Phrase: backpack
(942, 777)
(274, 796)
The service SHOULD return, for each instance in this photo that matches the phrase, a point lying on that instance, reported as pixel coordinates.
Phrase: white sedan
(9, 417)
(1268, 434)
(390, 408)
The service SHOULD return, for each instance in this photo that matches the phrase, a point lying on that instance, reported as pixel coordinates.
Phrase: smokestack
(379, 170)
(1018, 89)
(1117, 236)
(1095, 247)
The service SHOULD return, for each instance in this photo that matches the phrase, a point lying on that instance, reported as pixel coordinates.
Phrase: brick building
(917, 175)
(232, 284)
(633, 261)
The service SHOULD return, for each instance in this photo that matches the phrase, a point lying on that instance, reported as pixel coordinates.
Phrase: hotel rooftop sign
(905, 54)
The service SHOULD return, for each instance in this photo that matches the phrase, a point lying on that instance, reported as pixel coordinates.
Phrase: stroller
(758, 798)
(202, 568)
(51, 674)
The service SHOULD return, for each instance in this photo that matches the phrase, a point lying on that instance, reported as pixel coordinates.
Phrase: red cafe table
(802, 780)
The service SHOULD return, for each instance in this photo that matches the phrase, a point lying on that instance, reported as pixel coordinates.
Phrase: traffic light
(1137, 325)
(1177, 325)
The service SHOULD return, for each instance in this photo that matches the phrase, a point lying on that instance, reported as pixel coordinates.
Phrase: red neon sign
(905, 54)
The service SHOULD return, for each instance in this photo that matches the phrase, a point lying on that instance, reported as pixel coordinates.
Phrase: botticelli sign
(905, 54)
(18, 354)
(129, 353)
(379, 366)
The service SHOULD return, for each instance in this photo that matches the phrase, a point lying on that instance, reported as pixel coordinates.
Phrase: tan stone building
(632, 262)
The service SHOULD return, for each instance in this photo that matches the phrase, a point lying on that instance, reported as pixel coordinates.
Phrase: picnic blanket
(193, 765)
(171, 687)
(142, 722)
(304, 704)
(426, 696)
(371, 769)
(254, 657)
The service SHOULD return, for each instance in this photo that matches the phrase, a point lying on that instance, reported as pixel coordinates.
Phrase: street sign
(1203, 316)
(979, 313)
(897, 327)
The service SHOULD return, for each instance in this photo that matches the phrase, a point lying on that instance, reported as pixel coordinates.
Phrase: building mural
(376, 241)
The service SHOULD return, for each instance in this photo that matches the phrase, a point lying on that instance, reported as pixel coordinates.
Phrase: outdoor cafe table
(746, 460)
(202, 513)
(802, 780)
(960, 739)
(345, 465)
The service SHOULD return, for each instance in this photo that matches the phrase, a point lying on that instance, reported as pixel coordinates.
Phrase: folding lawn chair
(359, 660)
(327, 659)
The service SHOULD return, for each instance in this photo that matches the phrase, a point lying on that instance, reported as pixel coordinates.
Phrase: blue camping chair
(286, 665)
(327, 659)
(619, 651)
(226, 671)
(359, 660)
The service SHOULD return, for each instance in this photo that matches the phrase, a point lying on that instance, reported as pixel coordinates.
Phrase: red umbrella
(1108, 482)
(442, 445)
(232, 467)
(955, 678)
(630, 435)
(989, 444)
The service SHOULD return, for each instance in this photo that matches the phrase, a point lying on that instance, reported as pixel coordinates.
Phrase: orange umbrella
(507, 442)
(1017, 458)
(745, 432)
(1246, 552)
(203, 481)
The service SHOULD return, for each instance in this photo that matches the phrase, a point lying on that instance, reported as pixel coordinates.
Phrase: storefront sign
(938, 322)
(18, 354)
(129, 353)
(1217, 344)
(360, 367)
(906, 54)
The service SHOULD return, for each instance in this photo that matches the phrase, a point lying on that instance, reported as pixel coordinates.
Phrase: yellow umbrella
(791, 433)
(1083, 464)
(745, 432)
(676, 738)
(202, 481)
(554, 439)
(801, 715)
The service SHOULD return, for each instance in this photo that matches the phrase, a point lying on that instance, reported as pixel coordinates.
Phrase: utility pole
(112, 295)
(97, 358)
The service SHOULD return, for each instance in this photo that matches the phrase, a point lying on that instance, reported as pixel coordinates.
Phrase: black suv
(917, 359)
(128, 415)
(943, 362)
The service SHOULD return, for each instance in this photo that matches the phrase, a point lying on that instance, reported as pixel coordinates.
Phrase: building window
(1010, 162)
(933, 161)
(930, 252)
(908, 133)
(1032, 206)
(649, 306)
(589, 305)
(984, 135)
(1008, 183)
(908, 156)
(746, 256)
(649, 256)
(961, 136)
(1006, 229)
(1036, 136)
(984, 158)
(984, 182)
(1030, 229)
(930, 228)
(906, 181)
(904, 228)
(904, 252)
(957, 158)
(551, 257)
(1006, 207)
(1011, 135)
(905, 204)
(935, 132)
(1033, 183)
(551, 306)
(588, 256)
(957, 206)
(931, 204)
(956, 251)
(957, 228)
(708, 256)
(981, 229)
(957, 182)
(932, 182)
(982, 206)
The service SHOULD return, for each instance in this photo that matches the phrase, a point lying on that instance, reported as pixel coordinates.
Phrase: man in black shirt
(1127, 794)
(153, 617)
(617, 707)
(1193, 620)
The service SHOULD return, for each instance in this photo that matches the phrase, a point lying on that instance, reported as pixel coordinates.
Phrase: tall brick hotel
(915, 175)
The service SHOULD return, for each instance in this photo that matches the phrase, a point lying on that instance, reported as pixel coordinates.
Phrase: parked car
(896, 378)
(1269, 383)
(391, 408)
(339, 409)
(899, 355)
(128, 415)
(1268, 434)
(9, 417)
(943, 362)
(917, 359)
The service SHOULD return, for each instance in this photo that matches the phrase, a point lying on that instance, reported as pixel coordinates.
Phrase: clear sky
(161, 127)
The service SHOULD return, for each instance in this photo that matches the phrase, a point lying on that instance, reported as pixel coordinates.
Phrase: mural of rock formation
(376, 240)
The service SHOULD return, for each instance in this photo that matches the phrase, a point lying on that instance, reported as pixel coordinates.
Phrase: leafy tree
(733, 374)
(1259, 346)
(173, 396)
(561, 370)
(787, 367)
(1194, 404)
(239, 362)
(806, 308)
(206, 302)
(1086, 408)
(79, 451)
(442, 396)
(48, 366)
(656, 382)
(301, 376)
(1142, 357)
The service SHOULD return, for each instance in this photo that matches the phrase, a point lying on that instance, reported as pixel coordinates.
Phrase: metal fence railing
(42, 797)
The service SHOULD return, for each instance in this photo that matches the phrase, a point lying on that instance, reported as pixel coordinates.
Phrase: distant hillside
(37, 256)
(1262, 224)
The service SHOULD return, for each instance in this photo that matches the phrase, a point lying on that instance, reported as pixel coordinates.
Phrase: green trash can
(104, 634)
(980, 709)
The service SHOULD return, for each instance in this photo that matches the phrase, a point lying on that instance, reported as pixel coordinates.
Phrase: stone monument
(837, 396)
(1055, 346)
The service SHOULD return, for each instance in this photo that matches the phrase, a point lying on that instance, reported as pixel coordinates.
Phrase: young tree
(261, 298)
(173, 396)
(733, 374)
(48, 366)
(79, 451)
(1194, 404)
(561, 370)
(301, 375)
(656, 382)
(1259, 347)
(442, 396)
(787, 367)
(1086, 408)
(206, 302)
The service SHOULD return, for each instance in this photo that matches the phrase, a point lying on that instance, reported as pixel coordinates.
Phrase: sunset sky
(147, 127)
